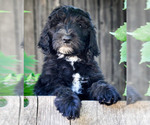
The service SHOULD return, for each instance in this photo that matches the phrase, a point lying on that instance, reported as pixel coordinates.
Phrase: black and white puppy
(69, 71)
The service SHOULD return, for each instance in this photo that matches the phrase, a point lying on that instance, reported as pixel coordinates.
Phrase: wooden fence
(107, 16)
(41, 111)
(11, 30)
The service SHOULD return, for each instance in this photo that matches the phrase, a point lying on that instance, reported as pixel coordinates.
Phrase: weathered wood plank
(29, 38)
(80, 4)
(105, 39)
(29, 113)
(29, 28)
(92, 113)
(7, 30)
(122, 114)
(40, 18)
(47, 113)
(92, 9)
(88, 114)
(137, 114)
(118, 70)
(9, 114)
(111, 115)
(138, 75)
(65, 2)
(52, 4)
(18, 8)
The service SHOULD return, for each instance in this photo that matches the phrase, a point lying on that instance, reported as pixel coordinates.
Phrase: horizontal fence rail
(41, 111)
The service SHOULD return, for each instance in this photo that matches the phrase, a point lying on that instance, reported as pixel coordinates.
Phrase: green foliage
(26, 11)
(6, 62)
(8, 83)
(125, 92)
(29, 83)
(120, 33)
(11, 78)
(7, 89)
(145, 52)
(123, 52)
(26, 102)
(3, 102)
(4, 11)
(148, 91)
(30, 78)
(8, 78)
(125, 65)
(147, 5)
(142, 33)
(29, 61)
(28, 89)
(125, 5)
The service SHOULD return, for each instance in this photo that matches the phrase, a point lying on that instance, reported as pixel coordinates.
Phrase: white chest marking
(72, 60)
(76, 83)
(76, 87)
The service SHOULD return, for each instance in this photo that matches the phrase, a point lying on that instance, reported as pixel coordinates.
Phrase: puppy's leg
(67, 102)
(104, 93)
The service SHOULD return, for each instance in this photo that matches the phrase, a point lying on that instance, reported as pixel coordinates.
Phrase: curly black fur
(69, 71)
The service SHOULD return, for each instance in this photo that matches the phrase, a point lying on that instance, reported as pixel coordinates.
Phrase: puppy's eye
(83, 25)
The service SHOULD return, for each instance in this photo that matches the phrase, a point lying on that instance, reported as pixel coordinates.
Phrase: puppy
(69, 71)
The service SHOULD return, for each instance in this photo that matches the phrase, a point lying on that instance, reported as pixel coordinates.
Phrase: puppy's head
(69, 31)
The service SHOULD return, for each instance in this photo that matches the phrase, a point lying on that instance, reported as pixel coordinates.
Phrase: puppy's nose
(66, 38)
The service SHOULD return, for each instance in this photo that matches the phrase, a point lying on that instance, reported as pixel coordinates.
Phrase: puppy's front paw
(104, 93)
(68, 106)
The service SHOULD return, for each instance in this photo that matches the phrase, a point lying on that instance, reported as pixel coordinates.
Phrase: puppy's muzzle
(66, 38)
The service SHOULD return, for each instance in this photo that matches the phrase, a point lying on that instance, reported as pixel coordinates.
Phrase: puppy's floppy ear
(45, 42)
(93, 48)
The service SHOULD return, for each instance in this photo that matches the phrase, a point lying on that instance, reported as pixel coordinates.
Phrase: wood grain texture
(40, 18)
(105, 39)
(79, 4)
(65, 2)
(137, 114)
(47, 113)
(92, 9)
(88, 114)
(9, 114)
(29, 113)
(11, 30)
(118, 70)
(7, 28)
(42, 111)
(138, 75)
(29, 37)
(18, 8)
(108, 115)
